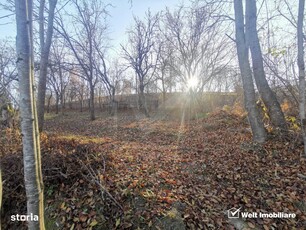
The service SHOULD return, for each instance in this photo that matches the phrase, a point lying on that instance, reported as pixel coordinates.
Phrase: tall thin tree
(268, 96)
(84, 37)
(301, 65)
(0, 194)
(141, 55)
(258, 130)
(28, 113)
(45, 43)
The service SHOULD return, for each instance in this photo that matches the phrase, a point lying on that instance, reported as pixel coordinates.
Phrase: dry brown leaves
(149, 166)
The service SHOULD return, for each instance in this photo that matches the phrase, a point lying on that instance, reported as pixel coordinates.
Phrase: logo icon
(233, 213)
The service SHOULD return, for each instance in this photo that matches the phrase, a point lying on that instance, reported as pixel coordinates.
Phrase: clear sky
(121, 17)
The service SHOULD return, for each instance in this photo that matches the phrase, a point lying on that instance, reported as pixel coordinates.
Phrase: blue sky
(121, 17)
(122, 13)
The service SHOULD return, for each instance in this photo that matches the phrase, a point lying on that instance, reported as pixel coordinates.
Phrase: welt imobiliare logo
(237, 213)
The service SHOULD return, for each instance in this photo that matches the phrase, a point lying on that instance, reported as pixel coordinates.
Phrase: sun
(192, 83)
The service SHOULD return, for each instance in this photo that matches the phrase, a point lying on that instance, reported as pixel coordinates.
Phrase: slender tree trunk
(100, 99)
(164, 92)
(114, 105)
(62, 102)
(142, 100)
(81, 104)
(49, 102)
(92, 103)
(268, 96)
(57, 104)
(258, 130)
(29, 127)
(301, 65)
(0, 195)
(45, 50)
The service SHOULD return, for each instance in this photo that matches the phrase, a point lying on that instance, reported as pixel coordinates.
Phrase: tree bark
(268, 96)
(301, 65)
(142, 100)
(92, 103)
(257, 126)
(0, 193)
(29, 127)
(45, 50)
(114, 105)
(57, 104)
(49, 102)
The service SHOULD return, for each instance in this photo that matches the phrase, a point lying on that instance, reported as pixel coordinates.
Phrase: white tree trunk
(30, 137)
(301, 65)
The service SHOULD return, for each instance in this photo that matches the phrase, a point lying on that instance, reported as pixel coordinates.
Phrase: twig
(97, 182)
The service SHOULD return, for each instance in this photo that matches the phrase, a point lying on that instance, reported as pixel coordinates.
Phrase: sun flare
(192, 83)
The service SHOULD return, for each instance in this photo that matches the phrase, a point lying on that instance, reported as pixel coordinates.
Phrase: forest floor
(132, 172)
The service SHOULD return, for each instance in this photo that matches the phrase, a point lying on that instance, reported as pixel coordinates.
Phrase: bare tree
(77, 90)
(87, 31)
(115, 75)
(58, 78)
(258, 130)
(29, 126)
(109, 76)
(45, 44)
(301, 65)
(267, 95)
(165, 66)
(200, 44)
(141, 53)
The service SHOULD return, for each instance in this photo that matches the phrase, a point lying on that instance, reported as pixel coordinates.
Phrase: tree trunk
(258, 130)
(100, 99)
(92, 103)
(114, 104)
(164, 92)
(142, 100)
(81, 104)
(301, 65)
(57, 104)
(30, 137)
(49, 102)
(0, 194)
(268, 96)
(62, 102)
(45, 50)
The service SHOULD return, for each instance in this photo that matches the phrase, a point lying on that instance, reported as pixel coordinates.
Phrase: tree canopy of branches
(198, 42)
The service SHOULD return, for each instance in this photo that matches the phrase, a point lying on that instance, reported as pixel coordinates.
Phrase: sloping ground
(131, 172)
